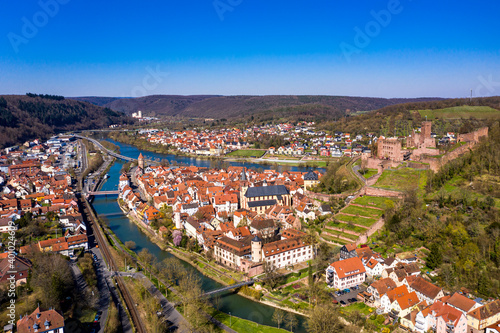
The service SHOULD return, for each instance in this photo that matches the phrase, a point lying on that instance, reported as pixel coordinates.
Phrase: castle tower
(425, 130)
(256, 249)
(140, 161)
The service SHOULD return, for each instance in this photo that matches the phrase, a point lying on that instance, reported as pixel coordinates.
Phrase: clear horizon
(387, 49)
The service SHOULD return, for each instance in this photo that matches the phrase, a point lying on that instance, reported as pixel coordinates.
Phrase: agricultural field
(340, 233)
(462, 112)
(334, 239)
(346, 226)
(402, 179)
(364, 221)
(363, 211)
(379, 202)
(246, 153)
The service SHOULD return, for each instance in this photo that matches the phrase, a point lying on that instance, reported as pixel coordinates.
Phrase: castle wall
(473, 136)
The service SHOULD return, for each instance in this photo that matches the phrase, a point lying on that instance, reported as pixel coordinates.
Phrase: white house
(345, 273)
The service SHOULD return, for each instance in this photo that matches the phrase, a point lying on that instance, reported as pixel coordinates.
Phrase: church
(260, 198)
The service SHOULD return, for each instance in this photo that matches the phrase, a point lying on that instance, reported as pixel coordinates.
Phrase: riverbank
(159, 149)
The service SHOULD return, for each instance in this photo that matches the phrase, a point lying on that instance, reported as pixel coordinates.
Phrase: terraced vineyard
(355, 220)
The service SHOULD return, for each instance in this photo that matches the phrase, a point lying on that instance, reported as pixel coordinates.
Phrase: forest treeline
(400, 119)
(457, 219)
(40, 116)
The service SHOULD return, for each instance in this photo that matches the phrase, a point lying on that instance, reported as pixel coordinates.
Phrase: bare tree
(291, 321)
(278, 316)
(324, 319)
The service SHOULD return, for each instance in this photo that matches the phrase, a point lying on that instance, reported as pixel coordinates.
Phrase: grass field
(369, 173)
(466, 112)
(364, 221)
(335, 239)
(379, 202)
(247, 153)
(340, 233)
(244, 326)
(362, 211)
(346, 226)
(402, 179)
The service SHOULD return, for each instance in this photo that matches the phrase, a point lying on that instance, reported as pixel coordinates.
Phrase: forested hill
(40, 116)
(262, 107)
(450, 115)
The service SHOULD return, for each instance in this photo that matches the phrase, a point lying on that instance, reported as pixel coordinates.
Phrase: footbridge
(104, 192)
(233, 286)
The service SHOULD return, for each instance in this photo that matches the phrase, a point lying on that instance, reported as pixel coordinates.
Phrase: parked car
(347, 290)
(342, 302)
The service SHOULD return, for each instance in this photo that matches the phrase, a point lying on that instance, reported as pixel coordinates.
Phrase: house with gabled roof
(390, 297)
(480, 318)
(345, 273)
(49, 321)
(380, 288)
(348, 251)
(425, 290)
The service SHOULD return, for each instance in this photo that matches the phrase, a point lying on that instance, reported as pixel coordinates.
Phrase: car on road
(172, 329)
(169, 323)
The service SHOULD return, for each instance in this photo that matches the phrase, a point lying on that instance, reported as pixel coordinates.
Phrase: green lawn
(364, 221)
(363, 211)
(335, 239)
(402, 179)
(360, 307)
(466, 112)
(379, 202)
(369, 173)
(340, 233)
(346, 226)
(456, 187)
(247, 153)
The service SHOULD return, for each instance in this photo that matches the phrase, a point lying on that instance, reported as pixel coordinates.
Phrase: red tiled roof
(348, 267)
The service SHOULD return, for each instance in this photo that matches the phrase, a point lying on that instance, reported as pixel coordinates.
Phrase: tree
(291, 321)
(271, 272)
(51, 276)
(278, 316)
(146, 257)
(130, 245)
(435, 257)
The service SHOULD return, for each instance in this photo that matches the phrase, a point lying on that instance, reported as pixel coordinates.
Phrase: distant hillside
(451, 115)
(219, 107)
(28, 117)
(99, 101)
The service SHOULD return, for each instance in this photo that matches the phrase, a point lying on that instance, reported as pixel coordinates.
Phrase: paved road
(107, 289)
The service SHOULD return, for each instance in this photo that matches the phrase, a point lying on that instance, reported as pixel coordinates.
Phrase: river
(108, 209)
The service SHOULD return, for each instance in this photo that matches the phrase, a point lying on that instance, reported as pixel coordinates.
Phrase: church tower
(140, 161)
(256, 249)
(243, 189)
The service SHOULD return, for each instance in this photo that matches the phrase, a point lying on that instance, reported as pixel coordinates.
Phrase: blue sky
(231, 47)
